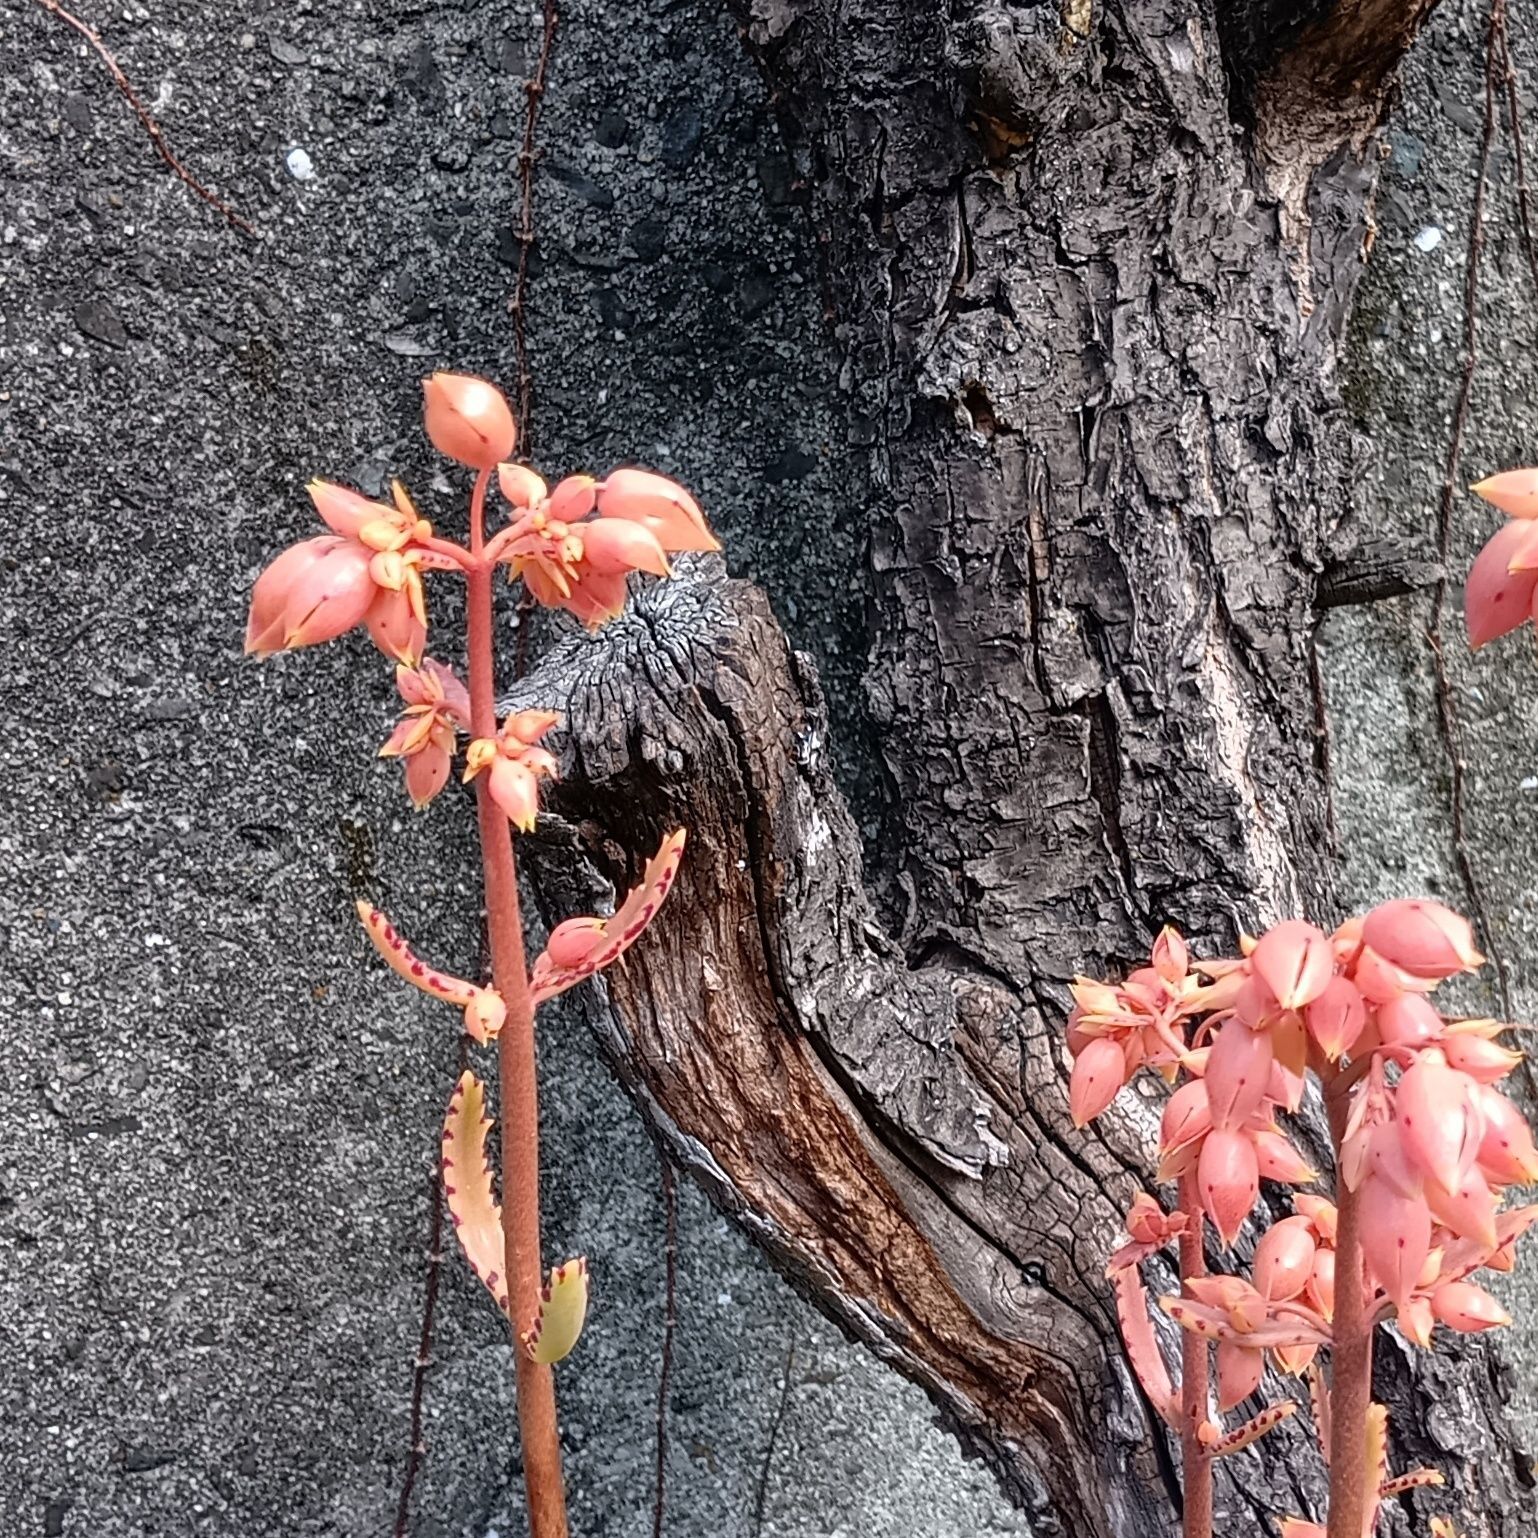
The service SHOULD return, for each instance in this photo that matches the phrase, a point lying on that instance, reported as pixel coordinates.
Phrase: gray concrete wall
(217, 1113)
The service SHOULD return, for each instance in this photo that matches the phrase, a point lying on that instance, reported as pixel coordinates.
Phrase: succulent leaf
(1252, 1430)
(1142, 1345)
(473, 1207)
(562, 1311)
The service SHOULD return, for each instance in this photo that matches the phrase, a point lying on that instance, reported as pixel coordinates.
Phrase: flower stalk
(575, 548)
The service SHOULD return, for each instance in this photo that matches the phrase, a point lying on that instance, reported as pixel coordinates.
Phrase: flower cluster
(1425, 1145)
(574, 547)
(1501, 590)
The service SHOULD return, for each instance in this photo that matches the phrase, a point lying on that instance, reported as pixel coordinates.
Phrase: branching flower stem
(540, 1438)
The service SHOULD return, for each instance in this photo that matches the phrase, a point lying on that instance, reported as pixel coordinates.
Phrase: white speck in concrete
(299, 164)
(1428, 238)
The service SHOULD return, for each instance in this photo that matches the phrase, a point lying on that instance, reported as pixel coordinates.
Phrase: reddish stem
(1350, 1354)
(1195, 1458)
(539, 1435)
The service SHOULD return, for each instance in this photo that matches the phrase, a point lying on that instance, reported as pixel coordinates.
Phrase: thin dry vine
(151, 127)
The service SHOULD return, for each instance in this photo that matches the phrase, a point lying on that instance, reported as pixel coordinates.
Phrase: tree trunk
(1090, 270)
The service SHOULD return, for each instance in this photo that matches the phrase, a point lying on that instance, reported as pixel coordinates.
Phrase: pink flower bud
(1228, 1177)
(313, 592)
(573, 941)
(1171, 960)
(1296, 960)
(1379, 980)
(1463, 1306)
(1284, 1259)
(345, 511)
(1506, 1152)
(1278, 1160)
(660, 504)
(468, 420)
(573, 498)
(427, 772)
(1440, 1128)
(1396, 1237)
(1515, 492)
(1497, 599)
(1320, 1212)
(1320, 1291)
(1335, 1019)
(1238, 1069)
(1422, 937)
(1468, 1208)
(1187, 1116)
(1239, 1373)
(1484, 1061)
(1099, 1072)
(1408, 1020)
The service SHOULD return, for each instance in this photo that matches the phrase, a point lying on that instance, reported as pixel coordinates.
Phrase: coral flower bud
(1496, 598)
(1468, 1209)
(613, 545)
(1099, 1072)
(1171, 960)
(313, 592)
(1515, 492)
(574, 940)
(1228, 1177)
(661, 505)
(1463, 1306)
(1320, 1290)
(468, 420)
(1320, 1212)
(344, 510)
(1238, 1069)
(1284, 1259)
(1187, 1115)
(1335, 1019)
(1296, 960)
(1278, 1160)
(521, 487)
(1415, 1321)
(1421, 937)
(1379, 980)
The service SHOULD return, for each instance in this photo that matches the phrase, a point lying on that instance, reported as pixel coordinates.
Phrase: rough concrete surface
(217, 1114)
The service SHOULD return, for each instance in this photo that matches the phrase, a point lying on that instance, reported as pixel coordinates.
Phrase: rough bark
(1090, 286)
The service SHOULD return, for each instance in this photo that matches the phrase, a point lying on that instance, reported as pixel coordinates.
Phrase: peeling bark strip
(1093, 384)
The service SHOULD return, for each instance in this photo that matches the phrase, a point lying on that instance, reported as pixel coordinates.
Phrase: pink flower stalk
(1425, 1148)
(575, 548)
(437, 706)
(514, 764)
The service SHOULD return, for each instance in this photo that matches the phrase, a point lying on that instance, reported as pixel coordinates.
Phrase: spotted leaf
(473, 1207)
(1137, 1333)
(562, 1310)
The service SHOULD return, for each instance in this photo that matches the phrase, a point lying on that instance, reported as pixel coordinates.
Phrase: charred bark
(1090, 286)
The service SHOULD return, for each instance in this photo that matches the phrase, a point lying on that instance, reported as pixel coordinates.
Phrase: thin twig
(424, 1359)
(151, 127)
(761, 1497)
(1519, 153)
(535, 87)
(669, 1327)
(1446, 710)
